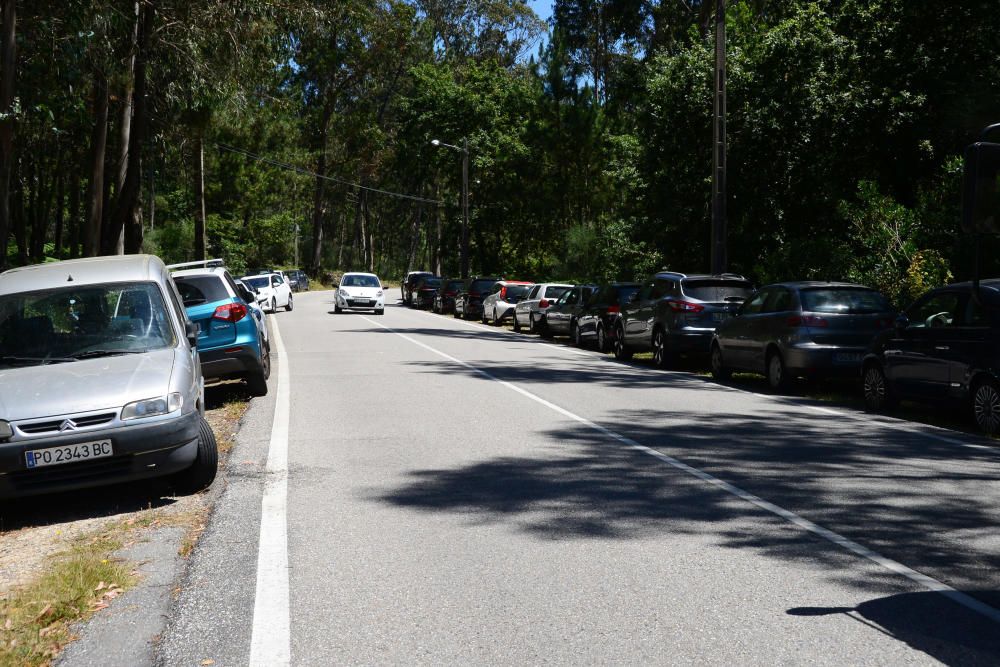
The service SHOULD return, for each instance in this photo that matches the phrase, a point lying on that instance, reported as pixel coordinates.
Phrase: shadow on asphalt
(108, 500)
(927, 622)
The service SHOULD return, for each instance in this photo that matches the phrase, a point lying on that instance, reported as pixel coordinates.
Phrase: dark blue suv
(232, 338)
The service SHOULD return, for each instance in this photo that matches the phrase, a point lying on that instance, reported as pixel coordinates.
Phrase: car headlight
(343, 293)
(151, 407)
(6, 430)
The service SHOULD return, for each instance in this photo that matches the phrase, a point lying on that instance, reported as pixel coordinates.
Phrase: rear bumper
(691, 341)
(140, 452)
(810, 359)
(229, 361)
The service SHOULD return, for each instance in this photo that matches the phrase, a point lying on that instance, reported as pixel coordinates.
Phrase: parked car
(675, 313)
(298, 280)
(943, 350)
(444, 299)
(101, 379)
(530, 309)
(795, 329)
(230, 339)
(249, 296)
(598, 321)
(272, 291)
(424, 291)
(469, 301)
(503, 297)
(561, 318)
(360, 291)
(406, 287)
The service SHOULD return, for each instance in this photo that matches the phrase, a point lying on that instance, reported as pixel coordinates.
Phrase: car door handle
(942, 348)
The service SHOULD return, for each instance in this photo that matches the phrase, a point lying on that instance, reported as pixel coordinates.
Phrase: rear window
(516, 292)
(454, 285)
(196, 290)
(431, 282)
(624, 292)
(257, 283)
(718, 290)
(481, 286)
(844, 300)
(552, 293)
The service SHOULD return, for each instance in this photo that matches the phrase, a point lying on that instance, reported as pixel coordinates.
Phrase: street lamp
(464, 150)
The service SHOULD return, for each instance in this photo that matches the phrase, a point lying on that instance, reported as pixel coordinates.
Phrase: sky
(542, 7)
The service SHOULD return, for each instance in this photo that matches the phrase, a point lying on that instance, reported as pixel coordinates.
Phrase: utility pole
(720, 260)
(296, 245)
(465, 208)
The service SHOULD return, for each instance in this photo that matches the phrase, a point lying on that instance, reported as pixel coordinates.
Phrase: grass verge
(36, 619)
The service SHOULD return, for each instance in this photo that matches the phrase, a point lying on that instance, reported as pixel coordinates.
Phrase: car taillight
(449, 293)
(806, 321)
(230, 312)
(612, 310)
(503, 293)
(685, 307)
(544, 303)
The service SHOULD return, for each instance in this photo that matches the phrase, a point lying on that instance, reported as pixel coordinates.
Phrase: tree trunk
(200, 245)
(127, 215)
(318, 202)
(95, 190)
(75, 221)
(60, 212)
(8, 67)
(18, 216)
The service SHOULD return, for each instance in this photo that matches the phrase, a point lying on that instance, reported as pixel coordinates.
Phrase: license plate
(847, 357)
(83, 451)
(720, 317)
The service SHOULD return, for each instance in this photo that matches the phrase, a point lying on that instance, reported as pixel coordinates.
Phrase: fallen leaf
(49, 630)
(207, 661)
(46, 611)
(100, 587)
(9, 624)
(97, 606)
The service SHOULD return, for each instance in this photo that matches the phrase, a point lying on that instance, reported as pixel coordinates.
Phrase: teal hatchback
(232, 338)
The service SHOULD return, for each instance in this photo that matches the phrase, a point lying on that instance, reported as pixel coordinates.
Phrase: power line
(300, 170)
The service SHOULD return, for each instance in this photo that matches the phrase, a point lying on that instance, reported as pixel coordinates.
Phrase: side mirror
(191, 331)
(981, 189)
(902, 321)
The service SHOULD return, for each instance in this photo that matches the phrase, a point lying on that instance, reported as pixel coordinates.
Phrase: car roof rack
(206, 263)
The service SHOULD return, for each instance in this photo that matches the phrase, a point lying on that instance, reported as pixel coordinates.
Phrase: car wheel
(274, 305)
(517, 323)
(574, 334)
(337, 309)
(602, 338)
(719, 370)
(202, 472)
(257, 382)
(531, 324)
(622, 351)
(878, 397)
(380, 311)
(289, 305)
(435, 309)
(544, 331)
(986, 407)
(777, 374)
(662, 356)
(496, 322)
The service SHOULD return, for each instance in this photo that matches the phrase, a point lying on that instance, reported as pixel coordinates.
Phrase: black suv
(469, 300)
(409, 282)
(675, 313)
(945, 348)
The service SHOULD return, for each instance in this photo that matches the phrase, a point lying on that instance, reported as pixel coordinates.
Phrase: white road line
(270, 641)
(919, 578)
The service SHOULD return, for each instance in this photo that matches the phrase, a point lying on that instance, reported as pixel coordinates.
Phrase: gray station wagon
(100, 380)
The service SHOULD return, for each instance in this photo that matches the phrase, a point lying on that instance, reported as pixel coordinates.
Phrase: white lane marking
(919, 578)
(270, 641)
(888, 422)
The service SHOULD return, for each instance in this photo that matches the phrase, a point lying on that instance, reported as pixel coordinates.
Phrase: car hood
(81, 386)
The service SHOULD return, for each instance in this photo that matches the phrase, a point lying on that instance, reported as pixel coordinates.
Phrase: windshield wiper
(14, 359)
(91, 354)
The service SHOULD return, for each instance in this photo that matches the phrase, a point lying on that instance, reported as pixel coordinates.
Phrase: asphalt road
(456, 494)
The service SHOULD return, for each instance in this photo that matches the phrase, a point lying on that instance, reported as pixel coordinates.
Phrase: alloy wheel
(986, 407)
(602, 338)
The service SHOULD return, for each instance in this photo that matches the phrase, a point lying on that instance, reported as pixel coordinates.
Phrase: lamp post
(464, 150)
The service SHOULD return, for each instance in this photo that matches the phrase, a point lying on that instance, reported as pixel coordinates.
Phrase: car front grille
(56, 425)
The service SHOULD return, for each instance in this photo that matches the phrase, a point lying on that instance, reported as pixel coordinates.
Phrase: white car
(529, 310)
(360, 291)
(273, 291)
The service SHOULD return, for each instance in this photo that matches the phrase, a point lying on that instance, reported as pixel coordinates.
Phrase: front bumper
(141, 451)
(361, 304)
(229, 361)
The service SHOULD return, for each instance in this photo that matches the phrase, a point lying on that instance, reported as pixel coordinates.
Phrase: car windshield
(359, 281)
(257, 283)
(74, 323)
(196, 290)
(718, 290)
(855, 301)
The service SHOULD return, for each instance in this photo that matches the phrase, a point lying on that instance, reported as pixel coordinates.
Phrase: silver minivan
(100, 380)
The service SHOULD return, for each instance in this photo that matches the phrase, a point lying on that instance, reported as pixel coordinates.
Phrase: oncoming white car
(360, 291)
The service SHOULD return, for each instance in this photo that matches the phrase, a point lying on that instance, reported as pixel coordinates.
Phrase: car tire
(435, 309)
(986, 406)
(380, 311)
(544, 331)
(875, 387)
(274, 305)
(663, 357)
(257, 382)
(531, 324)
(337, 309)
(201, 474)
(621, 350)
(495, 321)
(602, 339)
(777, 373)
(574, 334)
(719, 370)
(517, 323)
(289, 305)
